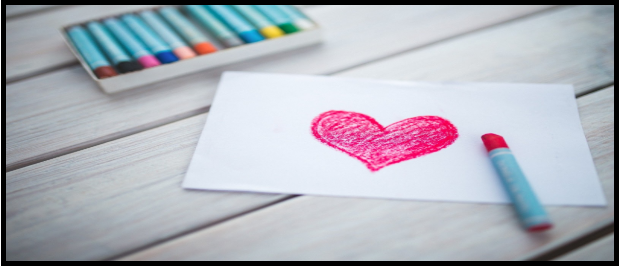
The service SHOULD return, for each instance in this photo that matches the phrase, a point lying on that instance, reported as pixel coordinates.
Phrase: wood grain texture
(331, 228)
(45, 49)
(34, 44)
(65, 194)
(603, 249)
(570, 45)
(113, 198)
(67, 116)
(160, 157)
(18, 10)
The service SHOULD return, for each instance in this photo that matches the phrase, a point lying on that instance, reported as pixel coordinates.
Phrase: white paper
(257, 138)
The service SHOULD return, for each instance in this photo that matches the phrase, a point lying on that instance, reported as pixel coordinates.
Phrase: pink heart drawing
(363, 138)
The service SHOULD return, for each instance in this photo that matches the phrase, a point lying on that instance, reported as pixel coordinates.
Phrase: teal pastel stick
(232, 19)
(145, 33)
(124, 35)
(157, 46)
(135, 47)
(531, 213)
(162, 29)
(87, 47)
(89, 51)
(182, 25)
(255, 17)
(274, 14)
(278, 17)
(291, 12)
(299, 19)
(115, 52)
(214, 25)
(113, 49)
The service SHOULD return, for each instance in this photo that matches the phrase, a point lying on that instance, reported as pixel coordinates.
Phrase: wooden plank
(113, 198)
(330, 228)
(573, 46)
(34, 44)
(32, 50)
(18, 10)
(603, 249)
(70, 113)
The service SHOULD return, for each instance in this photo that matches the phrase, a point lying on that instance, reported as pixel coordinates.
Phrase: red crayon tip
(540, 227)
(493, 141)
(105, 72)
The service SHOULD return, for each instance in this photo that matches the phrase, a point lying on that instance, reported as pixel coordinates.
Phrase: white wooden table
(91, 176)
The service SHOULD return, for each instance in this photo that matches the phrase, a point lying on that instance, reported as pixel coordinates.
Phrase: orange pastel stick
(204, 48)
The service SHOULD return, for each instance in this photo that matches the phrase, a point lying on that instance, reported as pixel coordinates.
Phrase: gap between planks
(74, 62)
(597, 233)
(196, 229)
(594, 89)
(406, 51)
(66, 64)
(107, 138)
(18, 11)
(603, 249)
(555, 251)
(156, 124)
(34, 45)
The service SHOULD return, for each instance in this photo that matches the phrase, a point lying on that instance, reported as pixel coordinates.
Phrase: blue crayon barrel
(157, 46)
(225, 35)
(115, 52)
(191, 33)
(179, 47)
(264, 25)
(89, 51)
(131, 43)
(243, 28)
(531, 212)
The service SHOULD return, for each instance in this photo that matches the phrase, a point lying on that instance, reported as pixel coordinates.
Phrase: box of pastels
(135, 49)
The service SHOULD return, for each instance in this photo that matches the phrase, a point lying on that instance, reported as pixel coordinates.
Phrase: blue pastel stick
(114, 51)
(87, 47)
(164, 31)
(158, 47)
(531, 213)
(131, 43)
(188, 30)
(214, 25)
(243, 28)
(179, 47)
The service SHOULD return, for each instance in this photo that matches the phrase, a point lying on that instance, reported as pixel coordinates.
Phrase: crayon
(299, 19)
(197, 39)
(157, 46)
(90, 53)
(530, 211)
(179, 48)
(227, 37)
(264, 25)
(122, 61)
(243, 28)
(131, 43)
(280, 18)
